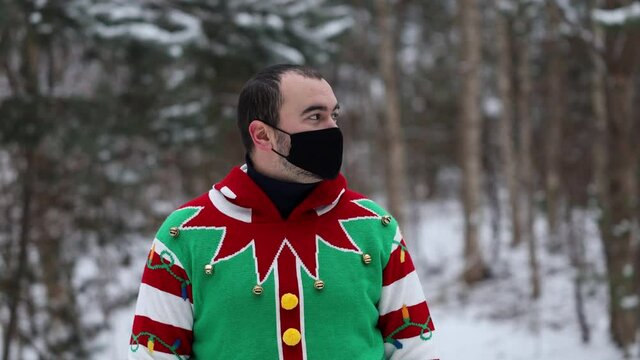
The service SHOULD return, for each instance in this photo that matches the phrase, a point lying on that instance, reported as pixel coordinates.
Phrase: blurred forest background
(114, 112)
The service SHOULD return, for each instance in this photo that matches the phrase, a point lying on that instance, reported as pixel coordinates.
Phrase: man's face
(309, 104)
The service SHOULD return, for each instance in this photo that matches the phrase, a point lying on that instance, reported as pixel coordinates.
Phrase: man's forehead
(304, 91)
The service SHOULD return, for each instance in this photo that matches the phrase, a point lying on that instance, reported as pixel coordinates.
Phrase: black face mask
(318, 151)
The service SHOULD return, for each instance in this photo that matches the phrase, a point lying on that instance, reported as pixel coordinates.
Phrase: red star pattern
(301, 234)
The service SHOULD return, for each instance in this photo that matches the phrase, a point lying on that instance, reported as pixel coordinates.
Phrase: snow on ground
(495, 320)
(464, 335)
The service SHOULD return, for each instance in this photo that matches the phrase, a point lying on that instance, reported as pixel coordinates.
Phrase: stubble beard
(291, 171)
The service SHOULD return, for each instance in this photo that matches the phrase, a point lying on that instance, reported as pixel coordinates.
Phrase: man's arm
(405, 321)
(162, 327)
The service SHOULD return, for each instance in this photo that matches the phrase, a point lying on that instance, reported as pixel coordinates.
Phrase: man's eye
(315, 117)
(335, 116)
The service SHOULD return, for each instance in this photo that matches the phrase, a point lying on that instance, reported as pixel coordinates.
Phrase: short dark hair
(261, 98)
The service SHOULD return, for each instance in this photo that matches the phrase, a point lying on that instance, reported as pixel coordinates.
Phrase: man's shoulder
(201, 200)
(189, 213)
(186, 233)
(364, 201)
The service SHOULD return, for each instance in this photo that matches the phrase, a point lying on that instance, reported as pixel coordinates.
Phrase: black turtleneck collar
(284, 195)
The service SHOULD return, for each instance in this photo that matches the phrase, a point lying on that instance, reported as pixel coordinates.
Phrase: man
(280, 260)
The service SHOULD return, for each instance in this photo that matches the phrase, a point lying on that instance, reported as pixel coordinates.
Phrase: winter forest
(502, 134)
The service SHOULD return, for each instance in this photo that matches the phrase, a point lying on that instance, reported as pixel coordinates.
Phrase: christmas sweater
(228, 278)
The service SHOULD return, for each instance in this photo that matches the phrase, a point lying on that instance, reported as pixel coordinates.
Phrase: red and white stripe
(162, 311)
(401, 287)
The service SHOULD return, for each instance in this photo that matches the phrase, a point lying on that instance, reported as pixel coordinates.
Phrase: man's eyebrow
(318, 107)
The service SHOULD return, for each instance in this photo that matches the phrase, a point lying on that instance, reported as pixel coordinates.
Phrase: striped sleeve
(163, 322)
(405, 321)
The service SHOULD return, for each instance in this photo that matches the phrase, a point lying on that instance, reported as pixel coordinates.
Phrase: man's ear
(261, 135)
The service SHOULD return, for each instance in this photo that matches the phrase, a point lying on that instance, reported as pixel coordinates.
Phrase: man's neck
(271, 165)
(285, 195)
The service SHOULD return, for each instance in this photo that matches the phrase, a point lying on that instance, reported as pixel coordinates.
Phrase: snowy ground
(495, 320)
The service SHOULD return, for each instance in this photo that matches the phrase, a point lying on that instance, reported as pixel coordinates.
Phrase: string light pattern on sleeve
(403, 250)
(167, 261)
(424, 328)
(135, 346)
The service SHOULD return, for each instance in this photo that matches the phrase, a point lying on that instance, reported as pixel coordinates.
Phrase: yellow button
(289, 301)
(291, 337)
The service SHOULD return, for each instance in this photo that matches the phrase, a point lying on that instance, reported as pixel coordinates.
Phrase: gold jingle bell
(385, 220)
(174, 232)
(319, 284)
(208, 269)
(257, 289)
(366, 258)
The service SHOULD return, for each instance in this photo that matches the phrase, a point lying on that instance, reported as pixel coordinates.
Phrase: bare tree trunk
(598, 101)
(29, 72)
(5, 66)
(396, 166)
(576, 256)
(496, 208)
(471, 125)
(491, 186)
(16, 290)
(11, 10)
(526, 167)
(553, 136)
(506, 128)
(600, 149)
(618, 224)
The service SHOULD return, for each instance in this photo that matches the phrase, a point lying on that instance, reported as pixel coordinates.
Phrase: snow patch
(492, 106)
(286, 52)
(619, 16)
(333, 28)
(629, 302)
(137, 23)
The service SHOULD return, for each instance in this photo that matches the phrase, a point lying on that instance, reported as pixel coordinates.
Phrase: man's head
(284, 99)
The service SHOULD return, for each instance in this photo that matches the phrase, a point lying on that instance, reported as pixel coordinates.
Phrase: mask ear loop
(274, 127)
(274, 150)
(277, 128)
